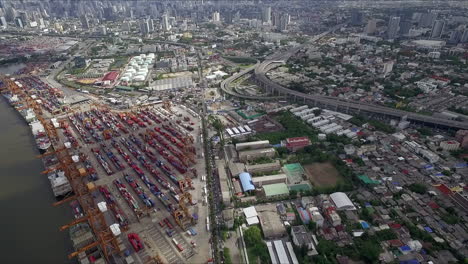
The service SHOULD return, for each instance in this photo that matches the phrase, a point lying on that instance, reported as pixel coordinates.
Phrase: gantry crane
(182, 215)
(83, 192)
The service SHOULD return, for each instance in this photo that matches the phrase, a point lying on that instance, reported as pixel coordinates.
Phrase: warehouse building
(249, 155)
(275, 190)
(270, 221)
(301, 237)
(246, 181)
(236, 168)
(269, 179)
(266, 167)
(252, 145)
(297, 143)
(342, 201)
(223, 181)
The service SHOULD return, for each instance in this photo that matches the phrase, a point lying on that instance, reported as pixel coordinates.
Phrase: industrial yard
(134, 176)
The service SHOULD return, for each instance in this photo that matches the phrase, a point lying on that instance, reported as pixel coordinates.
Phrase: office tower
(165, 23)
(405, 27)
(3, 22)
(84, 22)
(455, 36)
(216, 18)
(356, 18)
(427, 19)
(10, 14)
(437, 29)
(24, 17)
(228, 18)
(283, 22)
(103, 30)
(151, 25)
(388, 67)
(19, 22)
(393, 26)
(145, 26)
(41, 23)
(464, 37)
(371, 27)
(126, 26)
(266, 15)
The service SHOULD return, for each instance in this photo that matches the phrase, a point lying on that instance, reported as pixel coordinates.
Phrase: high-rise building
(266, 14)
(10, 14)
(455, 36)
(151, 25)
(283, 22)
(3, 22)
(228, 18)
(356, 18)
(216, 17)
(371, 27)
(144, 26)
(165, 23)
(19, 22)
(84, 22)
(437, 28)
(388, 67)
(126, 26)
(393, 26)
(103, 30)
(464, 37)
(427, 20)
(405, 27)
(24, 17)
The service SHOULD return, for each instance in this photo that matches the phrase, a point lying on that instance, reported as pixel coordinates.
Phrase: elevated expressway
(260, 70)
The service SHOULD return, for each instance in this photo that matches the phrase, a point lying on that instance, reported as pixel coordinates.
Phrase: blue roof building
(246, 181)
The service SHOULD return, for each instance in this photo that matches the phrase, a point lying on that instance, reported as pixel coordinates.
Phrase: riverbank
(31, 224)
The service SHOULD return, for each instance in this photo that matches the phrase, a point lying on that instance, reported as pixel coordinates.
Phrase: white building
(342, 201)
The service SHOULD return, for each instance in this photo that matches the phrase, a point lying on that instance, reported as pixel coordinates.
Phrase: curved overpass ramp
(260, 70)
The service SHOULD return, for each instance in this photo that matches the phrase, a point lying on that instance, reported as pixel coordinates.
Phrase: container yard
(130, 177)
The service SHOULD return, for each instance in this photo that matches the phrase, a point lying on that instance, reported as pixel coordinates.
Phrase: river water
(30, 224)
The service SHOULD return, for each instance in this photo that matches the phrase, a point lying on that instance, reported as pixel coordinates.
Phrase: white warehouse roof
(342, 201)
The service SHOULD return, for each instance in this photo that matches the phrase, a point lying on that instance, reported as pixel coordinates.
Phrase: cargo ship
(59, 183)
(42, 141)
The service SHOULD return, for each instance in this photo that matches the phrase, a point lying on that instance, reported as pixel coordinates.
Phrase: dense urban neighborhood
(279, 132)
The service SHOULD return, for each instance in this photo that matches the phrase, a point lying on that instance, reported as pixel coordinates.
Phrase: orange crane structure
(83, 192)
(182, 215)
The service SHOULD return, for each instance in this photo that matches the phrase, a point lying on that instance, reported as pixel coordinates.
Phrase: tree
(317, 112)
(418, 188)
(227, 256)
(252, 236)
(312, 226)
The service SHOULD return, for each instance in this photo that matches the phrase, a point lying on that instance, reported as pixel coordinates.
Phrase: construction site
(133, 177)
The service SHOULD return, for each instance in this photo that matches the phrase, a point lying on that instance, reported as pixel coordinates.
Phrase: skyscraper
(437, 28)
(356, 18)
(3, 22)
(455, 36)
(283, 22)
(216, 17)
(405, 27)
(84, 22)
(266, 15)
(464, 37)
(144, 26)
(371, 27)
(427, 19)
(19, 22)
(393, 26)
(165, 23)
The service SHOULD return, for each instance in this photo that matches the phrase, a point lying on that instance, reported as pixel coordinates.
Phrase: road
(350, 106)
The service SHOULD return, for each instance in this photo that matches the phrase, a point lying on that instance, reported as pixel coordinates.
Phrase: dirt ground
(322, 174)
